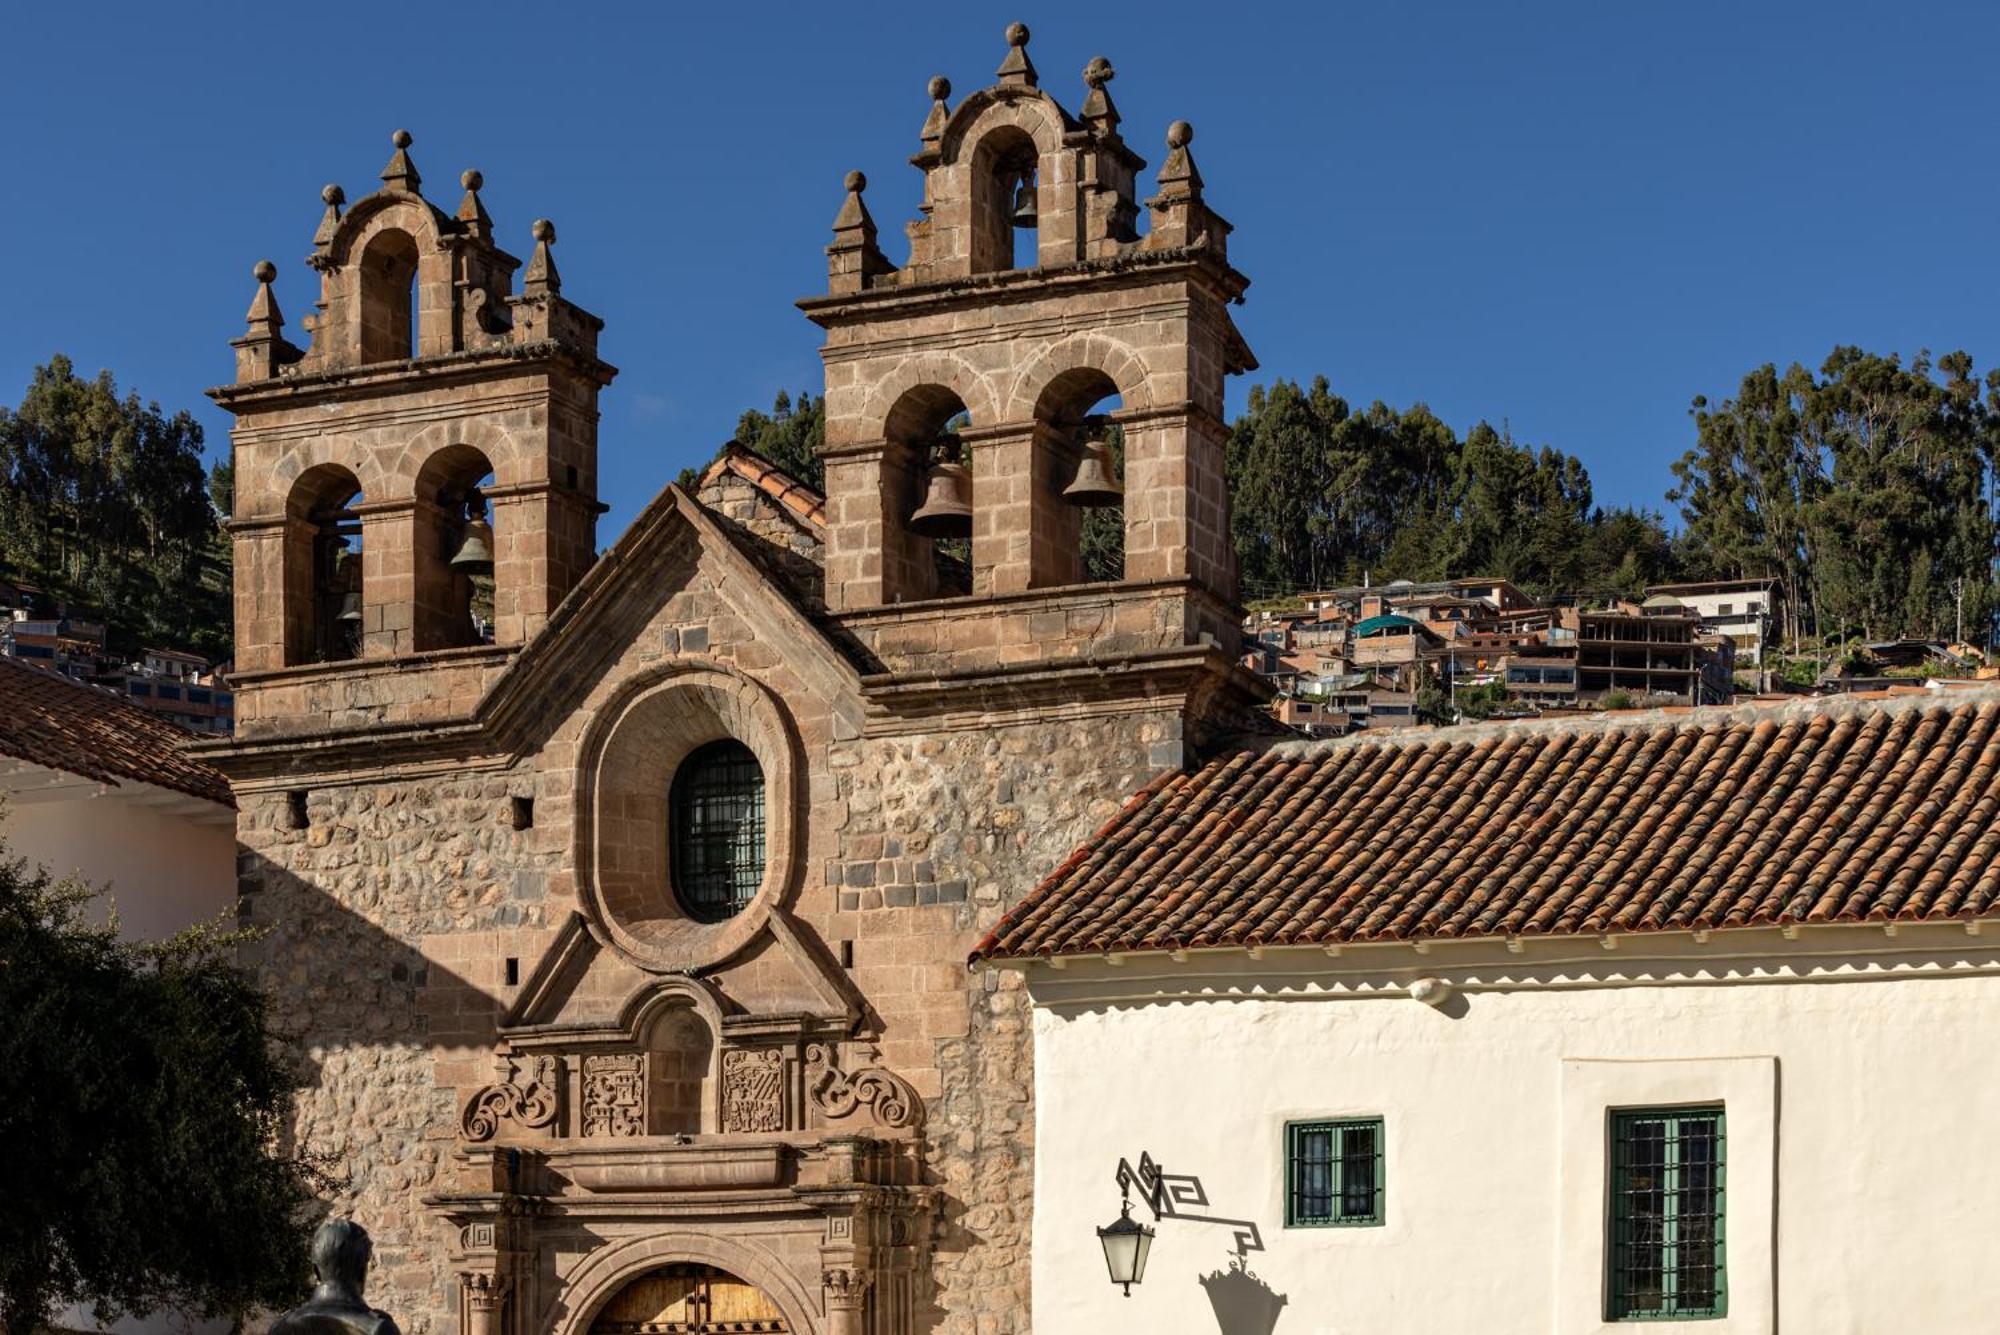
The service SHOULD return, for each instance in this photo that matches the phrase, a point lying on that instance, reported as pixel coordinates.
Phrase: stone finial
(933, 132)
(541, 278)
(1179, 178)
(471, 211)
(1017, 68)
(401, 173)
(1099, 112)
(854, 257)
(333, 197)
(265, 320)
(263, 351)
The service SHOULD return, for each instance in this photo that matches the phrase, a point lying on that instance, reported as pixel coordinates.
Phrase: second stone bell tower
(1032, 315)
(418, 484)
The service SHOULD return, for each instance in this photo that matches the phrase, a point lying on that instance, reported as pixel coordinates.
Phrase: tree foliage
(1867, 489)
(1324, 496)
(104, 503)
(143, 1100)
(790, 435)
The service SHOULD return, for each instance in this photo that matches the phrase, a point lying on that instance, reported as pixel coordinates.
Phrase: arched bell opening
(1006, 211)
(325, 595)
(1076, 420)
(388, 297)
(690, 1299)
(454, 550)
(931, 471)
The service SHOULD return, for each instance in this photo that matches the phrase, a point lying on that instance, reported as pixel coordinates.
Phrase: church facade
(622, 902)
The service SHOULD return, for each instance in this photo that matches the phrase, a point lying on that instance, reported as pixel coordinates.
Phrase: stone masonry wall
(394, 912)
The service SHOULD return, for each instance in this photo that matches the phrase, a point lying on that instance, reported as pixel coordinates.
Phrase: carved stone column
(484, 1295)
(846, 1294)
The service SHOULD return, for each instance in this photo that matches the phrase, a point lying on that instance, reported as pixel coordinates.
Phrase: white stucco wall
(170, 860)
(1856, 1070)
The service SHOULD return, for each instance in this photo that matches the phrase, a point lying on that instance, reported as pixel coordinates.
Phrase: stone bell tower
(367, 460)
(1008, 363)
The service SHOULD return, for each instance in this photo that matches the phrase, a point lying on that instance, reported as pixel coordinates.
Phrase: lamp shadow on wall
(1244, 1304)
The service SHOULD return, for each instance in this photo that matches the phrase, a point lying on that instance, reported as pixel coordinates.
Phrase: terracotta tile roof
(47, 719)
(795, 496)
(1827, 811)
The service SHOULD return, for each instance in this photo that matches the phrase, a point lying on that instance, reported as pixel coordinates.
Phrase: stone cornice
(447, 369)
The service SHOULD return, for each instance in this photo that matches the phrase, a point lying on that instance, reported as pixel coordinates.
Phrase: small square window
(1333, 1173)
(1666, 1251)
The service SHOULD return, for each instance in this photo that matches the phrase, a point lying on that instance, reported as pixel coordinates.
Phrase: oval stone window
(717, 805)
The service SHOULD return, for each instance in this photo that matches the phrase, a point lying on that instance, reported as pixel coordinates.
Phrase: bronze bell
(475, 551)
(1024, 203)
(350, 606)
(1096, 483)
(947, 508)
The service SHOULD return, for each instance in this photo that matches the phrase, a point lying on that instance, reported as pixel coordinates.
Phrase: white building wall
(1864, 1191)
(170, 862)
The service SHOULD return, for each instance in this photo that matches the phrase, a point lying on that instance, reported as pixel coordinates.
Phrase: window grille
(1333, 1173)
(1666, 1245)
(718, 830)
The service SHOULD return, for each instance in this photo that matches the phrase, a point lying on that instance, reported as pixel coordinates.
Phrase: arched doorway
(687, 1298)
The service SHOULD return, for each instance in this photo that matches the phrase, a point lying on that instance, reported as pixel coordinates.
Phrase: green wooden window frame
(1666, 1250)
(1333, 1173)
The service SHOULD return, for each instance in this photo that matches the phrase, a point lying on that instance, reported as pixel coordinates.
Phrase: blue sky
(1570, 217)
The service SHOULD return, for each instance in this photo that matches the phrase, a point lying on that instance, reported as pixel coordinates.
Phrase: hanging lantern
(1125, 1244)
(947, 508)
(1025, 215)
(475, 550)
(1096, 481)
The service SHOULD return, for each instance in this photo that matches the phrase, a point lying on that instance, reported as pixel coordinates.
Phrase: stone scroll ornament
(753, 1096)
(532, 1102)
(837, 1093)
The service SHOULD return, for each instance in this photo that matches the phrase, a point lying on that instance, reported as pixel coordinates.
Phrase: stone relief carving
(614, 1095)
(837, 1093)
(532, 1102)
(753, 1089)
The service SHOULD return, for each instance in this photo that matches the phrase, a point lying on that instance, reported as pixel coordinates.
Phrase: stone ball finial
(1180, 134)
(1017, 34)
(401, 139)
(940, 88)
(1098, 72)
(472, 179)
(544, 231)
(332, 195)
(856, 183)
(264, 271)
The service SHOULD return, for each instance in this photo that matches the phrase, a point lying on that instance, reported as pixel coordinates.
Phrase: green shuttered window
(1333, 1173)
(1667, 1186)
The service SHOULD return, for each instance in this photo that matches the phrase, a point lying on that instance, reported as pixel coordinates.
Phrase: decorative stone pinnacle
(1017, 68)
(856, 182)
(401, 173)
(471, 211)
(1180, 134)
(333, 197)
(1098, 110)
(541, 279)
(1179, 178)
(933, 131)
(264, 319)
